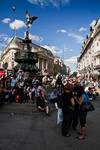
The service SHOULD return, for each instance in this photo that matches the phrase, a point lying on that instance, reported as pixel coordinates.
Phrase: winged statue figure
(29, 19)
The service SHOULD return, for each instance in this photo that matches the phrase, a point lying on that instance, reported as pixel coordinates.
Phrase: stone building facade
(89, 59)
(45, 57)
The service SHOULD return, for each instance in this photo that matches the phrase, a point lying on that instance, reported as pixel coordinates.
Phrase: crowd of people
(66, 93)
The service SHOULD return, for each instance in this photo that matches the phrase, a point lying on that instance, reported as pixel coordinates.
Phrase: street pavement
(23, 128)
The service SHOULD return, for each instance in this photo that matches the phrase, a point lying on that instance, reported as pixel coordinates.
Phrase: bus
(2, 72)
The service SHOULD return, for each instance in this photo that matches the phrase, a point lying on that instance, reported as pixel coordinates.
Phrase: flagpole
(15, 32)
(14, 10)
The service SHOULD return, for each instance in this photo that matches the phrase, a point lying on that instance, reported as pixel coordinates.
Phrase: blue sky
(62, 25)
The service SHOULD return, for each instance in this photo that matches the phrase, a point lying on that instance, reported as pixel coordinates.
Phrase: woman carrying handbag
(82, 99)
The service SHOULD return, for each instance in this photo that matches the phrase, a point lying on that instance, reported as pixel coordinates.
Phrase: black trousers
(82, 118)
(75, 118)
(67, 120)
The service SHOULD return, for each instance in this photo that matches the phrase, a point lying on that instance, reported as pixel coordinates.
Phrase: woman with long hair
(82, 98)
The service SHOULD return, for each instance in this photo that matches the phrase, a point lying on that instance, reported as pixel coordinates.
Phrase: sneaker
(67, 135)
(81, 137)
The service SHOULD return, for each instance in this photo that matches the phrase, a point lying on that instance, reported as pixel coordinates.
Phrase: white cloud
(17, 24)
(79, 39)
(8, 40)
(3, 37)
(67, 49)
(55, 50)
(71, 60)
(4, 40)
(62, 31)
(93, 23)
(36, 38)
(82, 29)
(55, 3)
(72, 63)
(71, 50)
(6, 20)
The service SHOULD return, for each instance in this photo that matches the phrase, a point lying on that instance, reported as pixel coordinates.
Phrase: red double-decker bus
(2, 72)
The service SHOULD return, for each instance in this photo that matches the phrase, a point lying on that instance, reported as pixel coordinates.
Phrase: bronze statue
(29, 19)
